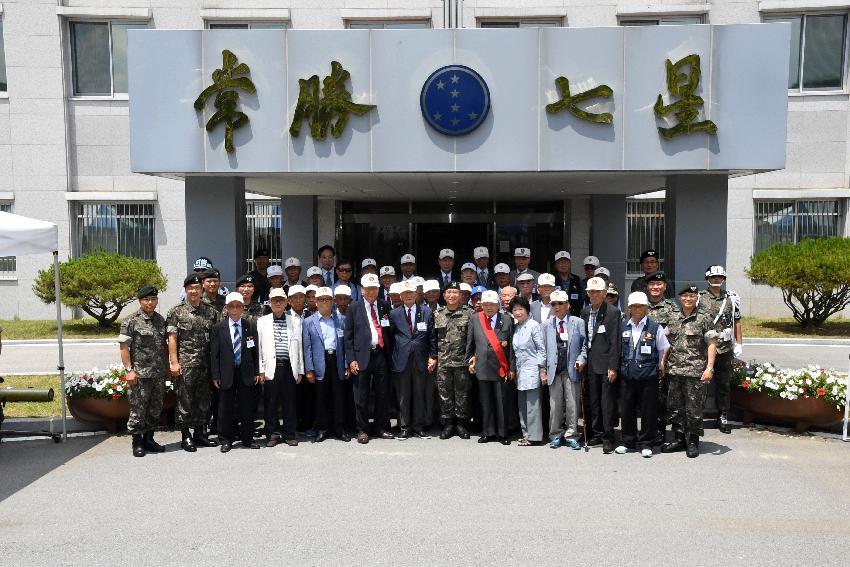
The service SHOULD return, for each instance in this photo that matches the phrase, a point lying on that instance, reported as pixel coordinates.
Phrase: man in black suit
(367, 342)
(602, 323)
(235, 370)
(447, 268)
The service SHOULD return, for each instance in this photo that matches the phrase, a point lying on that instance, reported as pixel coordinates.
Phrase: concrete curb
(25, 342)
(797, 341)
(49, 424)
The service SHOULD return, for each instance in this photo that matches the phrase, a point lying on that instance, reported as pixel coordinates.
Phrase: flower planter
(112, 414)
(803, 412)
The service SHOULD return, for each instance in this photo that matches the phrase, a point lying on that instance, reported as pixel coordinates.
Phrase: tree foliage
(814, 276)
(100, 284)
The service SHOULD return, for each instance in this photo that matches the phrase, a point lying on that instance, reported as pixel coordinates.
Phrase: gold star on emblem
(455, 108)
(455, 93)
(455, 79)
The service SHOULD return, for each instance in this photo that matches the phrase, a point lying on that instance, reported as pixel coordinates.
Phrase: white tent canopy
(20, 236)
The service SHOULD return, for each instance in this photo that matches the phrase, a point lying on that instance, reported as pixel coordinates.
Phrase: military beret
(192, 279)
(648, 254)
(247, 278)
(261, 252)
(657, 277)
(452, 285)
(147, 291)
(689, 288)
(211, 273)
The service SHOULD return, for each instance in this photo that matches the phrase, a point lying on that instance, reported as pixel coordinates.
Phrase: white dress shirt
(371, 323)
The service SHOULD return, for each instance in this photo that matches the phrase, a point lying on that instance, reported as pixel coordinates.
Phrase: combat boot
(693, 446)
(187, 443)
(138, 445)
(723, 423)
(461, 429)
(202, 440)
(151, 445)
(675, 446)
(448, 429)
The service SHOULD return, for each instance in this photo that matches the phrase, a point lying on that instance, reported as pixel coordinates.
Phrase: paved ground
(42, 358)
(752, 498)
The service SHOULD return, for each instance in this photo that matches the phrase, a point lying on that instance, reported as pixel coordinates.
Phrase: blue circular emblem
(455, 100)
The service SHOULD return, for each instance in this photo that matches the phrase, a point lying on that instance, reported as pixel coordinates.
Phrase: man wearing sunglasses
(344, 273)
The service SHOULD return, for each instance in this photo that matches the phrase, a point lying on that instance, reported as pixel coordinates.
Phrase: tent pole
(61, 367)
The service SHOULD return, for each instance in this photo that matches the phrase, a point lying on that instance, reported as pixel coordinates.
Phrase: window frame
(645, 20)
(800, 90)
(287, 24)
(4, 92)
(384, 21)
(555, 21)
(840, 217)
(657, 215)
(8, 206)
(77, 214)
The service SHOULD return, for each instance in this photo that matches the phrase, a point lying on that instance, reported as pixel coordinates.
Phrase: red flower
(115, 396)
(123, 379)
(745, 384)
(821, 391)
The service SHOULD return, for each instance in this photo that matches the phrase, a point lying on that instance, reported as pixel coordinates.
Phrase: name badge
(627, 334)
(573, 296)
(340, 333)
(385, 323)
(601, 329)
(563, 336)
(646, 349)
(421, 326)
(249, 343)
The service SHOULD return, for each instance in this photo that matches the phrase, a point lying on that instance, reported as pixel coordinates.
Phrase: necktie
(410, 320)
(237, 344)
(561, 327)
(328, 281)
(377, 326)
(446, 280)
(493, 323)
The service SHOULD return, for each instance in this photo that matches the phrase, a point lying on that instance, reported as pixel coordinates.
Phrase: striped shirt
(281, 339)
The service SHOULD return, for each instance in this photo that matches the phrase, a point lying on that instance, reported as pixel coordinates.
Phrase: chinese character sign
(226, 86)
(570, 102)
(321, 108)
(682, 86)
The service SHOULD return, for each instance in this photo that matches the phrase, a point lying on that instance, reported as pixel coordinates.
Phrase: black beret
(192, 279)
(689, 288)
(247, 278)
(211, 273)
(452, 285)
(261, 252)
(648, 254)
(657, 277)
(147, 291)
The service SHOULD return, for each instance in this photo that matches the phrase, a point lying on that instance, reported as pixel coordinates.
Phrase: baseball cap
(447, 253)
(481, 252)
(562, 254)
(591, 261)
(274, 271)
(523, 252)
(596, 284)
(369, 280)
(546, 279)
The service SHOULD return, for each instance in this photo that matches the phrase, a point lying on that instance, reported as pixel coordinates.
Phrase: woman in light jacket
(528, 362)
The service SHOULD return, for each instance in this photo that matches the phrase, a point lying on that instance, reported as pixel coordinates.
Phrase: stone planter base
(112, 415)
(803, 413)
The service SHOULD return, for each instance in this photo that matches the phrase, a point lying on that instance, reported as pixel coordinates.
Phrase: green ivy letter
(686, 109)
(225, 85)
(570, 102)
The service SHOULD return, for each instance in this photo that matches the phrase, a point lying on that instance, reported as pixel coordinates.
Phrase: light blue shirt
(530, 354)
(328, 332)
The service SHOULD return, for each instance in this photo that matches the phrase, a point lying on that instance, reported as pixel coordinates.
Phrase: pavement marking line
(796, 345)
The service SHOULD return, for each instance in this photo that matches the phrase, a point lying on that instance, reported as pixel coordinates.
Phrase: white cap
(324, 291)
(234, 296)
(342, 290)
(523, 252)
(407, 285)
(387, 271)
(408, 259)
(481, 252)
(524, 277)
(605, 271)
(310, 288)
(638, 298)
(562, 254)
(468, 266)
(368, 262)
(596, 284)
(274, 271)
(295, 289)
(314, 271)
(292, 261)
(501, 269)
(559, 295)
(277, 292)
(430, 285)
(395, 287)
(465, 287)
(490, 296)
(591, 261)
(370, 280)
(446, 253)
(418, 280)
(546, 279)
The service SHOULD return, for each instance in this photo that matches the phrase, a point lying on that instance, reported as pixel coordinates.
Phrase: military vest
(639, 361)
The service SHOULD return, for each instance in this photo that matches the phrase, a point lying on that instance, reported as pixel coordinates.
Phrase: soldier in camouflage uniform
(724, 308)
(453, 380)
(660, 311)
(211, 280)
(144, 353)
(188, 325)
(689, 364)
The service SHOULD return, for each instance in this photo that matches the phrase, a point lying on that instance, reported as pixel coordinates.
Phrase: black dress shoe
(448, 432)
(362, 438)
(674, 446)
(138, 446)
(403, 434)
(423, 434)
(250, 445)
(225, 447)
(320, 436)
(607, 447)
(723, 424)
(386, 435)
(202, 440)
(504, 441)
(188, 445)
(485, 439)
(692, 448)
(344, 437)
(594, 441)
(150, 445)
(462, 432)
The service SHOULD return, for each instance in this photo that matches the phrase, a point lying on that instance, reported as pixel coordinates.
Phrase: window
(817, 51)
(263, 229)
(123, 228)
(644, 230)
(664, 21)
(789, 221)
(3, 87)
(389, 25)
(99, 57)
(520, 24)
(248, 25)
(7, 263)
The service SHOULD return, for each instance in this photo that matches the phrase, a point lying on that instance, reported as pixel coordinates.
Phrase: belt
(330, 351)
(282, 360)
(377, 347)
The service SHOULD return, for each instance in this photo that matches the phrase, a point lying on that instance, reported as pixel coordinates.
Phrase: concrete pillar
(215, 225)
(298, 229)
(608, 236)
(695, 226)
(579, 230)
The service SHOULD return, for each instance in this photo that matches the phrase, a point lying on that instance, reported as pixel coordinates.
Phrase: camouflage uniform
(217, 303)
(727, 305)
(453, 380)
(660, 313)
(192, 326)
(689, 339)
(145, 337)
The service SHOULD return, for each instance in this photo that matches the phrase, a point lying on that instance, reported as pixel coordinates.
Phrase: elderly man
(525, 287)
(408, 267)
(446, 260)
(481, 257)
(292, 267)
(387, 279)
(506, 295)
(540, 308)
(522, 258)
(501, 277)
(567, 281)
(368, 266)
(345, 273)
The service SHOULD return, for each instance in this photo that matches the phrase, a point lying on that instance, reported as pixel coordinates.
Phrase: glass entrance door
(460, 237)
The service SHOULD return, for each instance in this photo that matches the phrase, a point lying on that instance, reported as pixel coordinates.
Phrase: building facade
(65, 147)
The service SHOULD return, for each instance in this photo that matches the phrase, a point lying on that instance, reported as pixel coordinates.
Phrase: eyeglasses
(557, 303)
(344, 270)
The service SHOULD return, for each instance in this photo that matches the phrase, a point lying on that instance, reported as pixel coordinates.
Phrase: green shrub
(100, 284)
(814, 276)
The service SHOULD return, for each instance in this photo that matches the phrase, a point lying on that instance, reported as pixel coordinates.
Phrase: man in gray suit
(564, 337)
(522, 258)
(488, 351)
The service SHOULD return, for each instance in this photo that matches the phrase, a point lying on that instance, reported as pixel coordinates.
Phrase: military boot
(187, 443)
(138, 445)
(202, 440)
(462, 431)
(723, 423)
(675, 446)
(448, 429)
(151, 445)
(693, 446)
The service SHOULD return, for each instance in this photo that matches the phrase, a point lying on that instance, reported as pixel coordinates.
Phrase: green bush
(100, 284)
(814, 276)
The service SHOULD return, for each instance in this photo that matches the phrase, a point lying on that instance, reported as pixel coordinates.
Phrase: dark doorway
(460, 237)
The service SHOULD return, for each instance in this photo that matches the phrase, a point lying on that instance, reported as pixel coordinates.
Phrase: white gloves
(738, 350)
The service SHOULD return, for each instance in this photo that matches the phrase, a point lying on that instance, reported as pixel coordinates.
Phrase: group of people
(495, 350)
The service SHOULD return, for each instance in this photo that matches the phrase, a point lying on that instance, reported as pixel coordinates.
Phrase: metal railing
(644, 230)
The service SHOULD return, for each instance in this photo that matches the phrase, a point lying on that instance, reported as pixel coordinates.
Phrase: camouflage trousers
(453, 385)
(194, 397)
(145, 398)
(685, 403)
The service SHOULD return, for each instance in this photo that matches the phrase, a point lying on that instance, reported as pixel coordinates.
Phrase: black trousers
(411, 388)
(247, 404)
(305, 401)
(496, 407)
(276, 393)
(375, 376)
(640, 395)
(603, 405)
(330, 399)
(722, 380)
